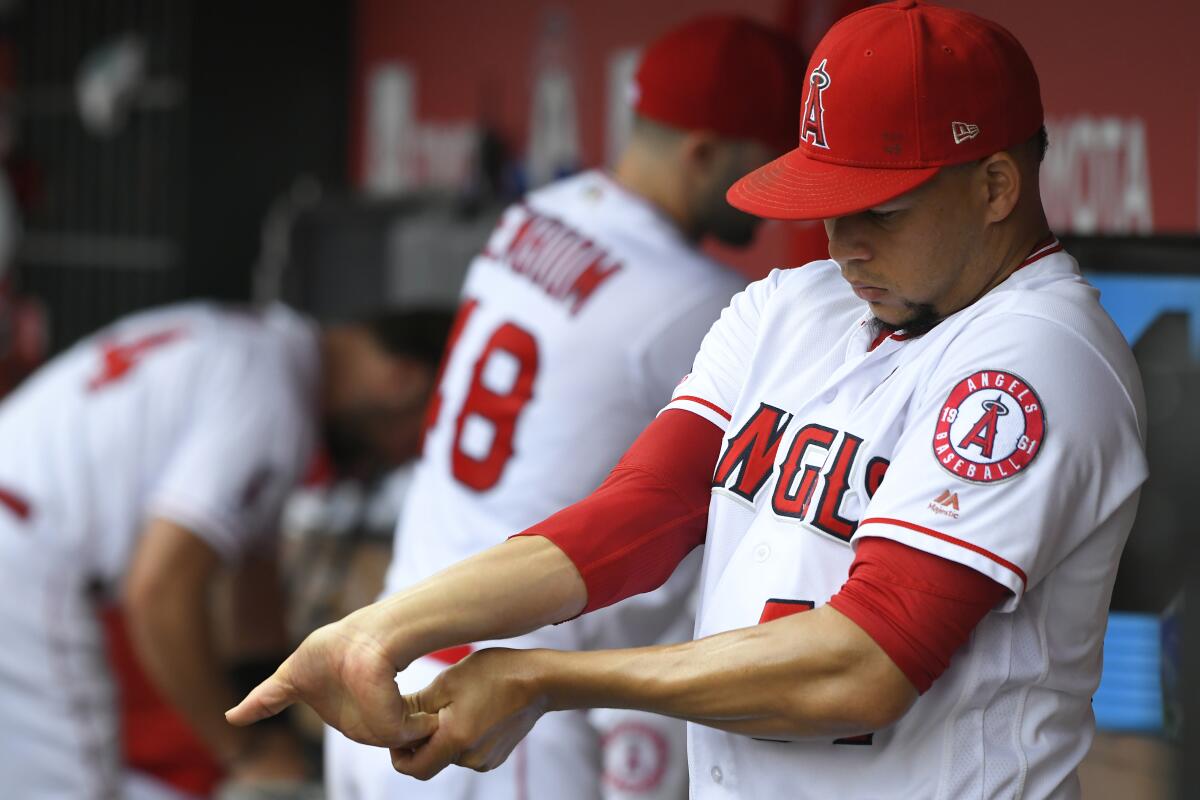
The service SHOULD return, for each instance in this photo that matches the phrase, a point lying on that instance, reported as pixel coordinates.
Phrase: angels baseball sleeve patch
(990, 428)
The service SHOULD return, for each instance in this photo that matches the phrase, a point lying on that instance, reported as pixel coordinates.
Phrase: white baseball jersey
(193, 413)
(578, 318)
(1008, 439)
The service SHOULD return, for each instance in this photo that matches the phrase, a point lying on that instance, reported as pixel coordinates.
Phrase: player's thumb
(430, 700)
(415, 721)
(265, 700)
(418, 727)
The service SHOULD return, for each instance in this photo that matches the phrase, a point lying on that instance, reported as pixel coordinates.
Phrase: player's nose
(847, 243)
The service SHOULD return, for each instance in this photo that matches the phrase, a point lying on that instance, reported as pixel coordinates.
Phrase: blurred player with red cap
(577, 320)
(913, 468)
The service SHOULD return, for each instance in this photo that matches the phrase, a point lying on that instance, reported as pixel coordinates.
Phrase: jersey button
(762, 552)
(716, 774)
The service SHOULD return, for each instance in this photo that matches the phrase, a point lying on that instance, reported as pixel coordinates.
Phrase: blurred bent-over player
(577, 320)
(132, 468)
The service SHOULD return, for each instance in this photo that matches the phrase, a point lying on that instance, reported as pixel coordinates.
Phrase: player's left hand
(485, 705)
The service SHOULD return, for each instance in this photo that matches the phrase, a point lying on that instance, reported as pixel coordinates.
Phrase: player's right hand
(342, 671)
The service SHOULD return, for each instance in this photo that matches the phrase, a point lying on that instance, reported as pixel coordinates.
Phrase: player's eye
(882, 216)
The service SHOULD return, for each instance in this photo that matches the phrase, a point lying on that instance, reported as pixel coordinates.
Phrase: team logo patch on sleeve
(990, 428)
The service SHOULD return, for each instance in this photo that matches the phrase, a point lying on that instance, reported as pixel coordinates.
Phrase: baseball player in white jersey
(578, 318)
(131, 466)
(913, 468)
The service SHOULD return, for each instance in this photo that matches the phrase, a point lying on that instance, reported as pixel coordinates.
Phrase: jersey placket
(832, 511)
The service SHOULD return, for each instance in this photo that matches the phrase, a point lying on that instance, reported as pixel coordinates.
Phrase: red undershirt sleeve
(919, 608)
(628, 536)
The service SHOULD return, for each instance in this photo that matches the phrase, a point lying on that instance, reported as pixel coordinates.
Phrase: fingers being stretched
(411, 730)
(430, 700)
(381, 716)
(426, 760)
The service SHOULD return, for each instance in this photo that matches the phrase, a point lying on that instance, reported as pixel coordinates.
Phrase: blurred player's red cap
(895, 92)
(725, 74)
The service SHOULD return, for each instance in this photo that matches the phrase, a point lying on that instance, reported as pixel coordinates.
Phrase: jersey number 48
(486, 405)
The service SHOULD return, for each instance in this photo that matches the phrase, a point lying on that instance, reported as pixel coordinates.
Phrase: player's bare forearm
(510, 589)
(812, 674)
(258, 628)
(809, 675)
(170, 622)
(177, 652)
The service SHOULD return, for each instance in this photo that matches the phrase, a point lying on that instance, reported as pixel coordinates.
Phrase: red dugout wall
(1121, 84)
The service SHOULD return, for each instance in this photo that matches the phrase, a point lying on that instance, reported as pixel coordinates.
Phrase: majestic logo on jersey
(990, 428)
(945, 503)
(812, 121)
(812, 478)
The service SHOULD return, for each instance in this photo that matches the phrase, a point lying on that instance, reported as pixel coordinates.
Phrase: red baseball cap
(726, 74)
(895, 92)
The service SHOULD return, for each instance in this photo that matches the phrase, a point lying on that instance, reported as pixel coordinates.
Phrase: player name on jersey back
(565, 265)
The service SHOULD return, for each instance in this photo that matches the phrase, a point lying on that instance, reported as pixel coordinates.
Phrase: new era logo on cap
(963, 131)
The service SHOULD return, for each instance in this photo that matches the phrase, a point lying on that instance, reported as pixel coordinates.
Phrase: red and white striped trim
(974, 548)
(889, 333)
(701, 408)
(1041, 250)
(689, 398)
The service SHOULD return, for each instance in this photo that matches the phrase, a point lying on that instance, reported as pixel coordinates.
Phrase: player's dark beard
(726, 224)
(732, 227)
(921, 320)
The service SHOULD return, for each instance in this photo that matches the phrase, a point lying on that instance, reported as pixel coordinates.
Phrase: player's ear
(1002, 175)
(700, 151)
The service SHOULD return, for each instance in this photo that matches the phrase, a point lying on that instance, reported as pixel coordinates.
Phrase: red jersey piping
(706, 404)
(1011, 567)
(1046, 247)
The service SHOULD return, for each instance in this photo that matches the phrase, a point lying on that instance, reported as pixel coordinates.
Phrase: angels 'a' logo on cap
(812, 125)
(990, 428)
